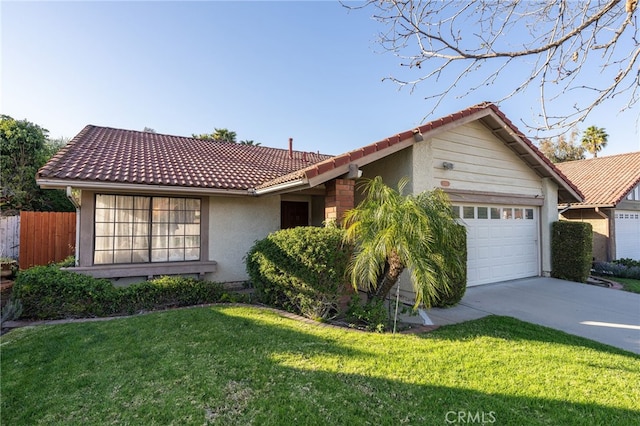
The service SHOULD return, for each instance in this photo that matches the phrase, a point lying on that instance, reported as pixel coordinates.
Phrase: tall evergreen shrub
(571, 250)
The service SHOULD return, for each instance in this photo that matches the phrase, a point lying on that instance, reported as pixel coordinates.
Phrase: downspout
(77, 206)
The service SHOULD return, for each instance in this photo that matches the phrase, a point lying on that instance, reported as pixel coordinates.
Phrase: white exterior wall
(548, 215)
(234, 225)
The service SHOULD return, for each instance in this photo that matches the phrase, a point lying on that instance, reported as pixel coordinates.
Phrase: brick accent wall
(339, 197)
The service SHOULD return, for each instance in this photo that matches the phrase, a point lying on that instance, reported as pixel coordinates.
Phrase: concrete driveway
(601, 314)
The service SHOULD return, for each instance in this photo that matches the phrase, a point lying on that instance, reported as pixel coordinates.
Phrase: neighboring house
(611, 189)
(154, 204)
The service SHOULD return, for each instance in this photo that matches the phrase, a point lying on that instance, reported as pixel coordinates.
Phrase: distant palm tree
(391, 232)
(224, 135)
(249, 142)
(594, 139)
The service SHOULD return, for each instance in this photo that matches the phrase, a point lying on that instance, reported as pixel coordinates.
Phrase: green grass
(242, 365)
(629, 284)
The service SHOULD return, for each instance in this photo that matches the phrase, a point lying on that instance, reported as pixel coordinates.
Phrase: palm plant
(391, 231)
(594, 139)
(224, 135)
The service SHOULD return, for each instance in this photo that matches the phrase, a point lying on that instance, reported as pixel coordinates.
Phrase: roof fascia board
(586, 206)
(282, 187)
(539, 161)
(432, 132)
(361, 161)
(137, 188)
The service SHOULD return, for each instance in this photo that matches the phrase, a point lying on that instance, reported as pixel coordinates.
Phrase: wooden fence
(10, 236)
(46, 237)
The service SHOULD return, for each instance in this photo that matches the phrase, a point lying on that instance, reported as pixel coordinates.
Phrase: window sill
(148, 270)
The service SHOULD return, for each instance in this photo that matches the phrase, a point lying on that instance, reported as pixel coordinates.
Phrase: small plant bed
(235, 365)
(626, 272)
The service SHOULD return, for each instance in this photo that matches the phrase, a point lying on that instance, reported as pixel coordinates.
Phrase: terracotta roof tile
(604, 181)
(330, 164)
(127, 156)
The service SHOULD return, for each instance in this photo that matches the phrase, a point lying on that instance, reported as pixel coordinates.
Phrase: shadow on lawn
(509, 328)
(236, 365)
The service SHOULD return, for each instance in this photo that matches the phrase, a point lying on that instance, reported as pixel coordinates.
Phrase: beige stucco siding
(481, 162)
(234, 225)
(391, 169)
(601, 224)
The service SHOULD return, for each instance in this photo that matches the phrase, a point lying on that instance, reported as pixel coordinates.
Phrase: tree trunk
(392, 270)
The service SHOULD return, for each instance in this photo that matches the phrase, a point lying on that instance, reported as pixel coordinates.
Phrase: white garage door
(502, 242)
(627, 224)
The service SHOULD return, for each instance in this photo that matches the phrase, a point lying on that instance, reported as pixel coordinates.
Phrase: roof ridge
(603, 157)
(94, 126)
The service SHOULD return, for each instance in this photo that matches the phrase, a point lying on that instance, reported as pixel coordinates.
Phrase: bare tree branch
(458, 47)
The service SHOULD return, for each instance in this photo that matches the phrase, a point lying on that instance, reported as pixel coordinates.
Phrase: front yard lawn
(629, 284)
(244, 365)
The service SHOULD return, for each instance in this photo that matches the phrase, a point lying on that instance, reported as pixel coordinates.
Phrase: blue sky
(267, 70)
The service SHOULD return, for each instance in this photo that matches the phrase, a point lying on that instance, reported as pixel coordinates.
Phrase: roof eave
(281, 188)
(45, 183)
(578, 206)
(511, 137)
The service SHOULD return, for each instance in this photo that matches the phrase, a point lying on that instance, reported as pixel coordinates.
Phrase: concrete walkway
(597, 313)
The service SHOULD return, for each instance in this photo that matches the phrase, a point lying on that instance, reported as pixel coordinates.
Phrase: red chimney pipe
(290, 147)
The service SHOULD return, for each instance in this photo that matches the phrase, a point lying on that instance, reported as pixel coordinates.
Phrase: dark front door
(294, 213)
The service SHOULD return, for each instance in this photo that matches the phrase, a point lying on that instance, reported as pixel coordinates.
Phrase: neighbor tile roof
(127, 156)
(604, 181)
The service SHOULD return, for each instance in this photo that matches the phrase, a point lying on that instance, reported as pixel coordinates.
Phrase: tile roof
(503, 128)
(102, 154)
(127, 156)
(604, 181)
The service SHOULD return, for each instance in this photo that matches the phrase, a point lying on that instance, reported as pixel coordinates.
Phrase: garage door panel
(627, 229)
(502, 246)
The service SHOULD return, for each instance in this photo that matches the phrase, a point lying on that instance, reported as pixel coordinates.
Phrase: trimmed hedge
(571, 250)
(46, 292)
(301, 270)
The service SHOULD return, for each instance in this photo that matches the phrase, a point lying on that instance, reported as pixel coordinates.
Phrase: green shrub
(166, 292)
(571, 250)
(628, 262)
(300, 269)
(10, 311)
(452, 296)
(617, 269)
(67, 262)
(46, 292)
(370, 315)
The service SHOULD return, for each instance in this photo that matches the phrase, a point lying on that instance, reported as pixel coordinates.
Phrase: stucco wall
(391, 169)
(234, 225)
(601, 230)
(548, 215)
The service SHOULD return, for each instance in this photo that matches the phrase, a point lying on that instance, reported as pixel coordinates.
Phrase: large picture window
(135, 229)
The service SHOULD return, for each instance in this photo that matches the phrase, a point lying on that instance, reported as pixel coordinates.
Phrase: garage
(627, 226)
(502, 242)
